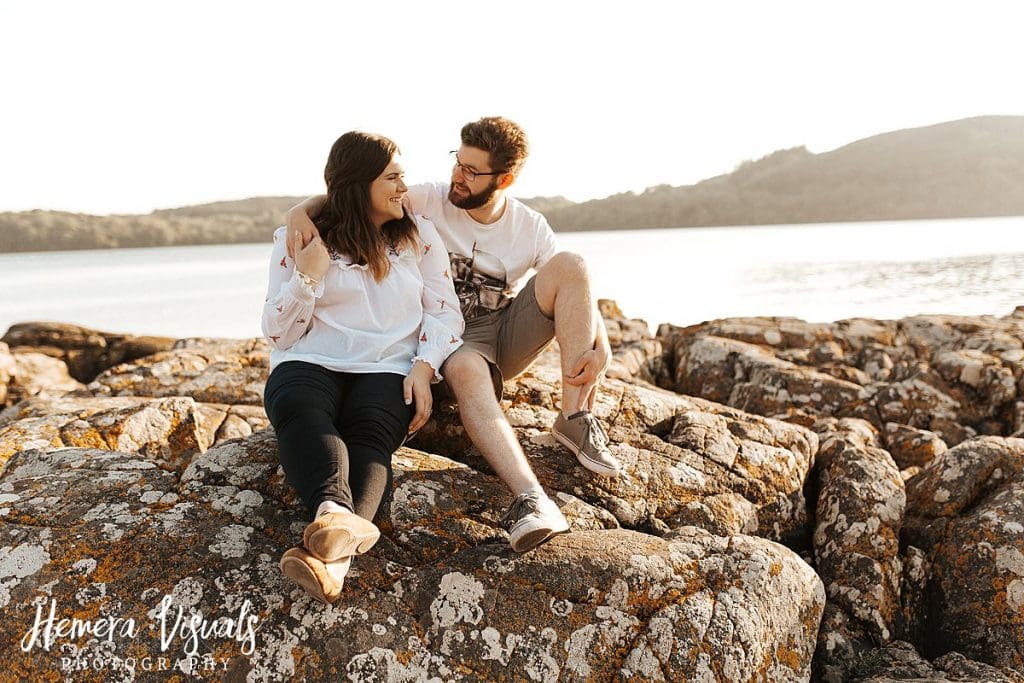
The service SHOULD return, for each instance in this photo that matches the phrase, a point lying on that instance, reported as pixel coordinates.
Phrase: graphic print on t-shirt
(480, 283)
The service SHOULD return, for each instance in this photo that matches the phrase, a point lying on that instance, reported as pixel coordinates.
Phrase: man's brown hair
(504, 140)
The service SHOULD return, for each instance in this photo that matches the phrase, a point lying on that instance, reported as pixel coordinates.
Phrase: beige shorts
(512, 338)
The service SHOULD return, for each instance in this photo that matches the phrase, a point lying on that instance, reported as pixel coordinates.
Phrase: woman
(360, 323)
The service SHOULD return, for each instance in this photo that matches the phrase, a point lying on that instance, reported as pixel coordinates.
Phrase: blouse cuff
(434, 365)
(436, 354)
(303, 292)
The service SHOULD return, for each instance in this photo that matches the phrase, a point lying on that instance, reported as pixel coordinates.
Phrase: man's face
(472, 194)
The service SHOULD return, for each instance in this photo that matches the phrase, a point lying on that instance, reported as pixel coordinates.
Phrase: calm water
(814, 272)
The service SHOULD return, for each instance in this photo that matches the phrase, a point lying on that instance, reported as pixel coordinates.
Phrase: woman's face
(386, 193)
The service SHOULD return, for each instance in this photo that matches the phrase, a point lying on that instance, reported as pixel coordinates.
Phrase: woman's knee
(377, 429)
(296, 382)
(299, 415)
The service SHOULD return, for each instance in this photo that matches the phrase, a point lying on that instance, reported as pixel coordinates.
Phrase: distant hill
(243, 220)
(548, 204)
(971, 167)
(966, 168)
(258, 208)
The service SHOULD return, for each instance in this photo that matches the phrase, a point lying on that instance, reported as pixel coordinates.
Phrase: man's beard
(473, 201)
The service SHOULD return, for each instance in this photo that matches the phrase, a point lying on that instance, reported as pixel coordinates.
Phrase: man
(493, 241)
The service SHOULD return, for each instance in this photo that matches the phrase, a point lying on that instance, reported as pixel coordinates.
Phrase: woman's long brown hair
(355, 161)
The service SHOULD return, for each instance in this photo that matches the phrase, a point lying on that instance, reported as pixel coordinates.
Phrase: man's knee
(566, 264)
(564, 269)
(466, 369)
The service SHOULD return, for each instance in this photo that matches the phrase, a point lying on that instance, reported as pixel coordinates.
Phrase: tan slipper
(307, 571)
(335, 535)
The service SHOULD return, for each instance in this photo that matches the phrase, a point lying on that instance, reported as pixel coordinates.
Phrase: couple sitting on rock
(378, 290)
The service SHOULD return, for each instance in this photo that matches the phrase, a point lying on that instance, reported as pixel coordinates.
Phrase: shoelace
(525, 503)
(594, 430)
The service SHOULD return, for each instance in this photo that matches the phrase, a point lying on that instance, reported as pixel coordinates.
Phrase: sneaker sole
(298, 572)
(534, 537)
(531, 540)
(592, 465)
(332, 543)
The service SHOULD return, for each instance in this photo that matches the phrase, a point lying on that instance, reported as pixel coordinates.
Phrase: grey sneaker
(531, 520)
(583, 434)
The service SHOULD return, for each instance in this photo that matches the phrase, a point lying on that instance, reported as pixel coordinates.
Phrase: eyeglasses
(468, 173)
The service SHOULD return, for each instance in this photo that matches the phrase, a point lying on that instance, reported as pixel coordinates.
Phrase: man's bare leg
(563, 294)
(562, 288)
(469, 376)
(533, 517)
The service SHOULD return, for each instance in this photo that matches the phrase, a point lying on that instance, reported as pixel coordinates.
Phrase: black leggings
(336, 432)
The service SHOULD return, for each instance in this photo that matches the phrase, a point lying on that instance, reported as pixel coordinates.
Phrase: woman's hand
(312, 259)
(417, 388)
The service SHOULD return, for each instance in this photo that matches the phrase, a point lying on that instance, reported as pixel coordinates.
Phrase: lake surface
(684, 276)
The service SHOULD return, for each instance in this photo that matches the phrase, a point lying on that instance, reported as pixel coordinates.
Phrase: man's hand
(589, 371)
(417, 388)
(300, 221)
(311, 260)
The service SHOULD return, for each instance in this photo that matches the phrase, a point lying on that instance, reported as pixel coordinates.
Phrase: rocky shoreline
(834, 502)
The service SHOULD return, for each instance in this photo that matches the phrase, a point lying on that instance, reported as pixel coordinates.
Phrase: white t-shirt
(488, 261)
(352, 323)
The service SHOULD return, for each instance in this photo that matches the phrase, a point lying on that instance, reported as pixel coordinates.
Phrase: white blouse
(352, 323)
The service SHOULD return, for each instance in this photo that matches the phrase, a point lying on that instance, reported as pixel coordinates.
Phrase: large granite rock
(751, 378)
(911, 447)
(955, 376)
(33, 374)
(99, 534)
(671, 571)
(87, 352)
(211, 371)
(924, 384)
(170, 428)
(860, 512)
(686, 461)
(900, 661)
(7, 369)
(966, 510)
(154, 506)
(636, 354)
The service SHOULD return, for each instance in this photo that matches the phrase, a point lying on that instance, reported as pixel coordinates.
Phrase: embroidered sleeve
(442, 327)
(288, 307)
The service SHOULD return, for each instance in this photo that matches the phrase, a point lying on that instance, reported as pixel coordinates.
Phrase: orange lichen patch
(90, 438)
(121, 557)
(775, 569)
(24, 668)
(694, 583)
(641, 602)
(789, 657)
(12, 440)
(26, 519)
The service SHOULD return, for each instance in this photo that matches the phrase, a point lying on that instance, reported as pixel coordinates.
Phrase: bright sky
(123, 107)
